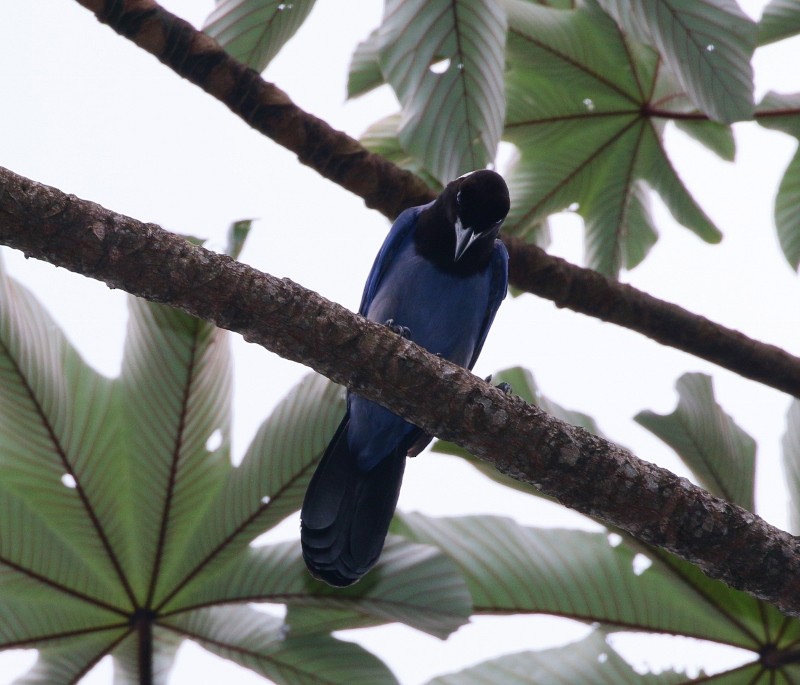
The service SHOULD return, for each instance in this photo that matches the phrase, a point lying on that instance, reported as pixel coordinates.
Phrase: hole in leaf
(214, 441)
(649, 653)
(69, 481)
(276, 610)
(640, 564)
(441, 66)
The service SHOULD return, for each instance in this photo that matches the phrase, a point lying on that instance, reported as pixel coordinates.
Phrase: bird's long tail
(347, 511)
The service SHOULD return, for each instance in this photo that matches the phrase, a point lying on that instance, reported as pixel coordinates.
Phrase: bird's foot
(402, 331)
(503, 387)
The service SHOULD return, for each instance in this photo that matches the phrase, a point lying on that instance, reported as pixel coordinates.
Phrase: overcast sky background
(88, 112)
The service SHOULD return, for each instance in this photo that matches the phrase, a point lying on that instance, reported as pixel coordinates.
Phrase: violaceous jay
(439, 279)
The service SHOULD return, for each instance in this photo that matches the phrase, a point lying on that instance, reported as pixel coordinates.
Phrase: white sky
(91, 114)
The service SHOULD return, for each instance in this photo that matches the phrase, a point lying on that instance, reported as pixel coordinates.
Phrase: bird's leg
(503, 387)
(402, 331)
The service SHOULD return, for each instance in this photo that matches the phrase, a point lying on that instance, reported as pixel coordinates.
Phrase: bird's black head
(458, 231)
(481, 204)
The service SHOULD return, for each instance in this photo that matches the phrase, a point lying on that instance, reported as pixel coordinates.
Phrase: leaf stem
(142, 623)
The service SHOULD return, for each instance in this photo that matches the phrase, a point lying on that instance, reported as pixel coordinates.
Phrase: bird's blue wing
(402, 228)
(497, 291)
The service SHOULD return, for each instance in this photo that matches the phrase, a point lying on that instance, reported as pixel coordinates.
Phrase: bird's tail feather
(347, 511)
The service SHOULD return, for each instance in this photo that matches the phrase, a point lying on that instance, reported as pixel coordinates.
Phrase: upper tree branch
(581, 470)
(389, 189)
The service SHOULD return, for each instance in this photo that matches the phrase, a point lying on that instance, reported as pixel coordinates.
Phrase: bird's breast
(444, 312)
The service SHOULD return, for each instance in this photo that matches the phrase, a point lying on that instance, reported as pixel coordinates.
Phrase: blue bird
(439, 279)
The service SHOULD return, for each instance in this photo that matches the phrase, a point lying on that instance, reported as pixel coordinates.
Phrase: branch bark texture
(581, 470)
(389, 189)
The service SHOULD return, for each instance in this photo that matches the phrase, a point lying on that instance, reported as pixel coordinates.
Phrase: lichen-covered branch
(389, 189)
(581, 470)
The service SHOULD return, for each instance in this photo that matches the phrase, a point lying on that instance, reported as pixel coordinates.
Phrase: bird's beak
(464, 238)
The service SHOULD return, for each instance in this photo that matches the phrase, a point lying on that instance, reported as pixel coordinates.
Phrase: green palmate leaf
(523, 384)
(759, 624)
(57, 466)
(607, 249)
(787, 212)
(588, 662)
(66, 662)
(720, 454)
(176, 385)
(716, 137)
(781, 19)
(237, 235)
(657, 172)
(749, 674)
(280, 460)
(642, 232)
(43, 616)
(313, 620)
(118, 497)
(127, 658)
(558, 4)
(270, 482)
(382, 138)
(707, 44)
(787, 676)
(46, 594)
(580, 98)
(791, 463)
(414, 584)
(259, 642)
(445, 62)
(365, 74)
(43, 595)
(254, 31)
(782, 112)
(580, 575)
(533, 229)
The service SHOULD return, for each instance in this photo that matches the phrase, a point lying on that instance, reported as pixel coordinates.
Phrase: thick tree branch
(199, 59)
(389, 189)
(581, 470)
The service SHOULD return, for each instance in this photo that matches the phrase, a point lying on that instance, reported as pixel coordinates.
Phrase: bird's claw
(402, 331)
(503, 387)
